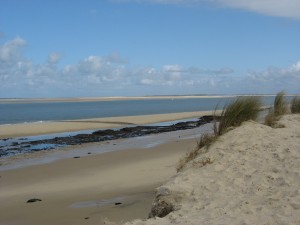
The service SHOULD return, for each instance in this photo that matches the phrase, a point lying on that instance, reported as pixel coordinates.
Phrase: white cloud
(275, 79)
(95, 70)
(292, 72)
(11, 49)
(172, 68)
(54, 58)
(147, 81)
(281, 8)
(295, 67)
(221, 71)
(174, 72)
(112, 75)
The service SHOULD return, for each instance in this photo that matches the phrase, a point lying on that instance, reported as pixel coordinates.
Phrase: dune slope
(254, 178)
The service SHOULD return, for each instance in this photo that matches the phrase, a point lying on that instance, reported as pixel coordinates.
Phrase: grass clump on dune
(238, 111)
(295, 105)
(271, 119)
(280, 108)
(233, 114)
(280, 105)
(202, 146)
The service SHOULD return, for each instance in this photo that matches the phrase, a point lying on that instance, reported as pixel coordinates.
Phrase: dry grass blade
(295, 105)
(280, 108)
(280, 105)
(238, 111)
(203, 162)
(202, 145)
(271, 119)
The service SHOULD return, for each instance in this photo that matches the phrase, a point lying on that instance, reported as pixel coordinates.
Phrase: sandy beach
(28, 129)
(76, 190)
(253, 178)
(84, 190)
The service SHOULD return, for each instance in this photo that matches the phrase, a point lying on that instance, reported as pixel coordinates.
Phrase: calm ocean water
(12, 113)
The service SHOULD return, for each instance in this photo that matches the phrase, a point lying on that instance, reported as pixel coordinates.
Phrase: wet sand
(29, 129)
(97, 182)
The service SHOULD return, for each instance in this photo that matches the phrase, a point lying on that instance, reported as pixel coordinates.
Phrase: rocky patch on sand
(99, 136)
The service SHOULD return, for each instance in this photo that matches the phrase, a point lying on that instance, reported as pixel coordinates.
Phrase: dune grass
(295, 105)
(270, 118)
(236, 112)
(280, 105)
(202, 146)
(280, 108)
(233, 115)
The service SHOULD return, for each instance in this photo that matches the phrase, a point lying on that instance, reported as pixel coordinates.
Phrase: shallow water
(48, 156)
(12, 113)
(20, 145)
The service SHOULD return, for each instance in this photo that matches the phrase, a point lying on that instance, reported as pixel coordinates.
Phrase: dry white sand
(254, 179)
(17, 130)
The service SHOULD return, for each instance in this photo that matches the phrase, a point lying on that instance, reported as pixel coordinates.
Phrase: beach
(29, 129)
(82, 184)
(252, 178)
(85, 190)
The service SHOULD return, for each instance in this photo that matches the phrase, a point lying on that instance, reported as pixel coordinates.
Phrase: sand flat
(131, 174)
(29, 129)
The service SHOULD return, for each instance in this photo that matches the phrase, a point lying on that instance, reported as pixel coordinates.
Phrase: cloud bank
(280, 8)
(114, 76)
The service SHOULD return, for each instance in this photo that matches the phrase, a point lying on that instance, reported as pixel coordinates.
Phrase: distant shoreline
(118, 98)
(124, 98)
(51, 127)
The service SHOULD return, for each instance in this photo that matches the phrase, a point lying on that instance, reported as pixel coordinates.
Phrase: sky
(90, 48)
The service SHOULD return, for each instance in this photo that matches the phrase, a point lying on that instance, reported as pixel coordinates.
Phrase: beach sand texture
(84, 190)
(254, 179)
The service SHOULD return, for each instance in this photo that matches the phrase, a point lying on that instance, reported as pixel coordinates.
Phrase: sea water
(12, 113)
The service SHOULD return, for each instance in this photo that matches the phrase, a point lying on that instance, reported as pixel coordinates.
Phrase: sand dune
(254, 179)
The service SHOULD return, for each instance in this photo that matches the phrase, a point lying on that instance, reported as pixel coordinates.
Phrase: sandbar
(30, 129)
(117, 98)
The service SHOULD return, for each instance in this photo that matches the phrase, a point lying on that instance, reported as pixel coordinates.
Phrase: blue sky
(148, 47)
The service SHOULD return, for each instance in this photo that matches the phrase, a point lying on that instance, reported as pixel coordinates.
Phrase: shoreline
(117, 98)
(32, 129)
(124, 98)
(93, 183)
(247, 180)
(95, 148)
